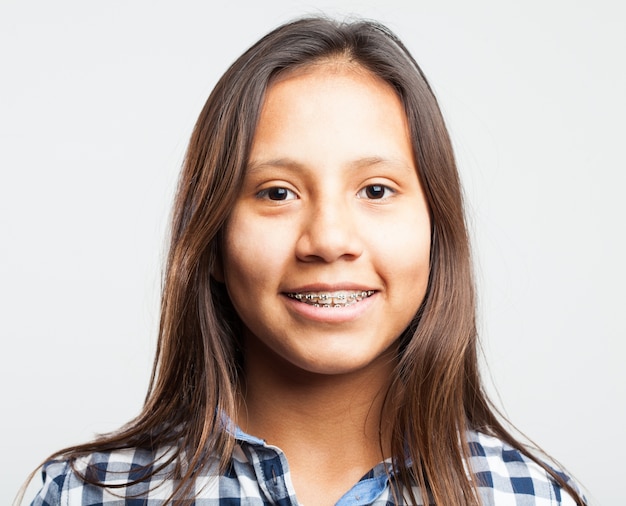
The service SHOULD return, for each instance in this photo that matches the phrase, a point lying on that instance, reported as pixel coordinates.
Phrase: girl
(317, 339)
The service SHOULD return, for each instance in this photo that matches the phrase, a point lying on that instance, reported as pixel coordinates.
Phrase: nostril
(329, 236)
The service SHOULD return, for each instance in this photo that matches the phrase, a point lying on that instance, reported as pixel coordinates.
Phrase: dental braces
(327, 300)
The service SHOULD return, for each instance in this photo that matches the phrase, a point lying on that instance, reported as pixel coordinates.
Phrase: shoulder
(54, 476)
(507, 476)
(67, 481)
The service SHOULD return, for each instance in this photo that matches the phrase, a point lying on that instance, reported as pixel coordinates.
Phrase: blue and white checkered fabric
(259, 475)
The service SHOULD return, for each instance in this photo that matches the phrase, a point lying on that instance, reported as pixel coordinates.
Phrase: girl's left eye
(375, 192)
(276, 193)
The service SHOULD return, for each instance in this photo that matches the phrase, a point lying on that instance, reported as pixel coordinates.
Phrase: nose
(329, 233)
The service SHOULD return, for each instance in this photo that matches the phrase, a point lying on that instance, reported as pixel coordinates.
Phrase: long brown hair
(436, 395)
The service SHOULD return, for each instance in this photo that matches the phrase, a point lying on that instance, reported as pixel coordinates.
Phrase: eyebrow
(289, 163)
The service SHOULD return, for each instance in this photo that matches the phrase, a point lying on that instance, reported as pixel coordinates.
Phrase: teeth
(331, 299)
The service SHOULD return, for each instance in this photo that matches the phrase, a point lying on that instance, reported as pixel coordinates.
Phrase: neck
(340, 414)
(329, 426)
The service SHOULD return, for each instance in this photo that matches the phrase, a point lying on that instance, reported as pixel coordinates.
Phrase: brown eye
(276, 193)
(375, 192)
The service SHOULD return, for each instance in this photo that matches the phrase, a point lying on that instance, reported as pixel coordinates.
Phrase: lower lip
(330, 314)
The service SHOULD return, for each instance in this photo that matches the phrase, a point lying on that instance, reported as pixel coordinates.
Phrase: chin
(348, 365)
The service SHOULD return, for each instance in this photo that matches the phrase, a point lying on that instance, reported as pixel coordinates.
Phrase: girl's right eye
(276, 193)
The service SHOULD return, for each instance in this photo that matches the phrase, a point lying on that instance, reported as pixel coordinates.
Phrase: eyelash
(267, 193)
(386, 192)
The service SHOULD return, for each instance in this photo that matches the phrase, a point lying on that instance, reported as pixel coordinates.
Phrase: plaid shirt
(259, 475)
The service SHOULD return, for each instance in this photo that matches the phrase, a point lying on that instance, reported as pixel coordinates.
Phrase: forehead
(312, 88)
(331, 114)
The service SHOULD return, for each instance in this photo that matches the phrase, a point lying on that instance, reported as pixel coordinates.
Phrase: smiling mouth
(337, 299)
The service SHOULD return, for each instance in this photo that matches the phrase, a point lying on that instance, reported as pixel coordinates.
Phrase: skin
(331, 202)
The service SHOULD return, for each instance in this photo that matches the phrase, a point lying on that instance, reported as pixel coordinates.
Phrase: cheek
(407, 259)
(252, 254)
(239, 258)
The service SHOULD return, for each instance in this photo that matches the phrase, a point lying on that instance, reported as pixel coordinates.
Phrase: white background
(97, 100)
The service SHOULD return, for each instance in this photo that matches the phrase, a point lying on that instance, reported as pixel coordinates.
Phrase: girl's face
(326, 253)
